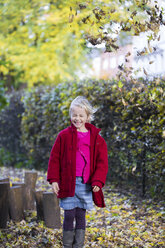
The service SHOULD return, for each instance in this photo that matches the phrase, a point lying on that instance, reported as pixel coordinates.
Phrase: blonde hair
(82, 102)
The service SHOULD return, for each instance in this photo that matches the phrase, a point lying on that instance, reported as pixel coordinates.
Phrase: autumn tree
(47, 41)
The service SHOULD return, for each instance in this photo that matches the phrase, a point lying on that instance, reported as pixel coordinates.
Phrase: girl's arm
(101, 168)
(54, 162)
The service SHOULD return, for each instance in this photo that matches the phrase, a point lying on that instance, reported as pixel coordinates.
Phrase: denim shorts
(82, 198)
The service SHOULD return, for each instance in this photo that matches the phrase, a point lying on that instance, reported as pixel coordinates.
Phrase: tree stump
(51, 210)
(16, 203)
(30, 183)
(6, 180)
(22, 185)
(4, 203)
(39, 204)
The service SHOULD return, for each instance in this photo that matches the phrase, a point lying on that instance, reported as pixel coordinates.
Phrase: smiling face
(79, 117)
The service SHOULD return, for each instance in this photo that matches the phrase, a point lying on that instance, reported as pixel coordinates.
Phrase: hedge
(131, 118)
(11, 149)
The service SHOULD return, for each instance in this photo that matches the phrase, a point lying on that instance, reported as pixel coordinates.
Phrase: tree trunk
(144, 171)
(51, 210)
(4, 203)
(39, 204)
(30, 183)
(16, 203)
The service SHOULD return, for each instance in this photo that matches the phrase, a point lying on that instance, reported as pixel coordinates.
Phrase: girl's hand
(55, 187)
(95, 189)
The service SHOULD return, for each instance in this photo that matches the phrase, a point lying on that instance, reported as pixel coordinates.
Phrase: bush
(10, 131)
(131, 118)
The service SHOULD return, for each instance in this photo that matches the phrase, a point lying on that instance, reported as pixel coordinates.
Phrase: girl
(77, 170)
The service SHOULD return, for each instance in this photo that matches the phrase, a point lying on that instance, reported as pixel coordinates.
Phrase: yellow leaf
(124, 102)
(100, 238)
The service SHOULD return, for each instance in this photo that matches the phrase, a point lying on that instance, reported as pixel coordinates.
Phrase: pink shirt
(83, 155)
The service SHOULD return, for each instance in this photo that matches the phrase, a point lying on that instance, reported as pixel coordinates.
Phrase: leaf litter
(127, 221)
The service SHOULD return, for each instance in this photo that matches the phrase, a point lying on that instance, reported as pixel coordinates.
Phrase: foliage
(127, 221)
(130, 115)
(3, 100)
(10, 132)
(5, 157)
(142, 136)
(47, 41)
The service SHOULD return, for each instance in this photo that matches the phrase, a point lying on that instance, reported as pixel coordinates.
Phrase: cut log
(6, 179)
(4, 203)
(39, 204)
(30, 183)
(30, 179)
(51, 210)
(16, 203)
(19, 184)
(22, 185)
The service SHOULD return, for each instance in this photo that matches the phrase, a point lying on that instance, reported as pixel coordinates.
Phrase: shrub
(130, 115)
(10, 131)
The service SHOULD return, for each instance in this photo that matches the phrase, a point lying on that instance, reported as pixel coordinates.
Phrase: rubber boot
(79, 238)
(68, 238)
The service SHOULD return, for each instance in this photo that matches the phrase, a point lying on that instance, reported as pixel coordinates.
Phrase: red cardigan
(62, 162)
